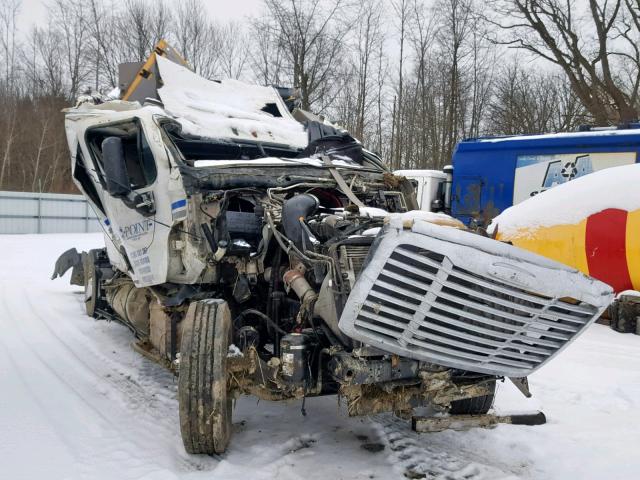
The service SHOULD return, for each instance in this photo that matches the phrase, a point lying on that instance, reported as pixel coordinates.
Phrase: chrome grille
(429, 305)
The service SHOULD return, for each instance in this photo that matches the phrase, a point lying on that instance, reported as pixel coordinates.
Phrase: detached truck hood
(453, 298)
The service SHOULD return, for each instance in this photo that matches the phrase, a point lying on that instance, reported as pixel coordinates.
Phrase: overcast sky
(34, 11)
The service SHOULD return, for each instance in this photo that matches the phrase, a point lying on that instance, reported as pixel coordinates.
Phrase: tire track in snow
(133, 417)
(6, 327)
(416, 458)
(42, 378)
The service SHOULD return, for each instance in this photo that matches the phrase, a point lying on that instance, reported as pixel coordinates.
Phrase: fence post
(86, 217)
(39, 213)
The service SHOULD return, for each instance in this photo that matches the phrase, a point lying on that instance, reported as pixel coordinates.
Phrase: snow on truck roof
(566, 139)
(227, 108)
(421, 173)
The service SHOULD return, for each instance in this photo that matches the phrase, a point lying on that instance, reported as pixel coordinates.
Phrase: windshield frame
(372, 162)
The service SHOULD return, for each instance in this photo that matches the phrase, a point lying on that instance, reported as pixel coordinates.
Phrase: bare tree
(234, 51)
(382, 68)
(410, 78)
(69, 18)
(453, 36)
(589, 52)
(43, 64)
(141, 23)
(369, 37)
(197, 38)
(9, 10)
(266, 58)
(479, 81)
(310, 35)
(422, 39)
(527, 101)
(101, 25)
(401, 8)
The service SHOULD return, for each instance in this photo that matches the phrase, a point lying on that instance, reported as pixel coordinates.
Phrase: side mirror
(115, 167)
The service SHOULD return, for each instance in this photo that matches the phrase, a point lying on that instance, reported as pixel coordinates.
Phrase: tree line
(409, 78)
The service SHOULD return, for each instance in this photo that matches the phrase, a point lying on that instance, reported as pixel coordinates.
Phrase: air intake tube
(294, 212)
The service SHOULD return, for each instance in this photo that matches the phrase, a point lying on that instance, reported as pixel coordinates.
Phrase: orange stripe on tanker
(633, 247)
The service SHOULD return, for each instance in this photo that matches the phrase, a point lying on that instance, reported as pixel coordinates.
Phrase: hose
(258, 313)
(294, 212)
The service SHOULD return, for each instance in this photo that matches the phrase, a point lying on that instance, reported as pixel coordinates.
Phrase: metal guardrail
(30, 212)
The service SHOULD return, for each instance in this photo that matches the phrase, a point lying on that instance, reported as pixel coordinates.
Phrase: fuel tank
(591, 223)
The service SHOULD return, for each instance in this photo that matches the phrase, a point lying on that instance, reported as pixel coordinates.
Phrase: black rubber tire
(204, 403)
(474, 405)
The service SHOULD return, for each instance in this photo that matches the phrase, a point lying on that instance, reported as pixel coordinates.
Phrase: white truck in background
(432, 187)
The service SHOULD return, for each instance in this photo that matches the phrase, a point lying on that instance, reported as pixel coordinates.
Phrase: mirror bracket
(142, 203)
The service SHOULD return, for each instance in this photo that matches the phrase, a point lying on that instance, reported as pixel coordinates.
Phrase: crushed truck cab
(251, 253)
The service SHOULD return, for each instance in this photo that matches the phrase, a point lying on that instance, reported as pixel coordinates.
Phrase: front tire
(474, 405)
(204, 403)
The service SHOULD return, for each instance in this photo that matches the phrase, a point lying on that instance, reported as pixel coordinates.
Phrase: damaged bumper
(456, 299)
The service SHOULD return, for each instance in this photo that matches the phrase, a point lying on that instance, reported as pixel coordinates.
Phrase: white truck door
(139, 224)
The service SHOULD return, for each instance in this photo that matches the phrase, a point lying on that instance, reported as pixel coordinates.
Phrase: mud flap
(70, 259)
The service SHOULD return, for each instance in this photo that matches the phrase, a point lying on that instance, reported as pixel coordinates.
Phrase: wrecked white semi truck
(254, 254)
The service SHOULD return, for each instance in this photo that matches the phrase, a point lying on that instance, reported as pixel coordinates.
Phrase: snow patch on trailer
(576, 135)
(574, 201)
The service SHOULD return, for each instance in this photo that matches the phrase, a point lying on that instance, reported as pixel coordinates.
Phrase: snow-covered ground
(77, 402)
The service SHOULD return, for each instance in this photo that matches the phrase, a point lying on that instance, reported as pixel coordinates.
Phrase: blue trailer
(491, 174)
